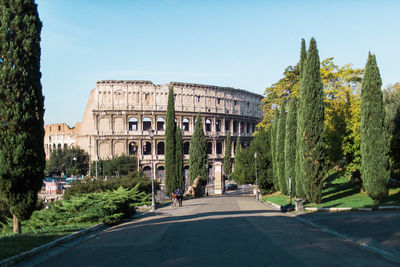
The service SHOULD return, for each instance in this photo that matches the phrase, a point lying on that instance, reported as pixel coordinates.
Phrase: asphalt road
(216, 231)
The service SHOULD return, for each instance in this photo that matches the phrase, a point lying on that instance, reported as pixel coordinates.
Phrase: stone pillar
(219, 182)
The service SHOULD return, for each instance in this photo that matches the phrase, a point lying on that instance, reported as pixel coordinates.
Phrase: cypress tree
(170, 128)
(228, 156)
(374, 146)
(22, 158)
(280, 150)
(312, 165)
(180, 178)
(198, 160)
(274, 128)
(290, 143)
(299, 177)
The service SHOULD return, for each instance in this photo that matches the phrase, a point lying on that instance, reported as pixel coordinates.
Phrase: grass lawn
(12, 244)
(338, 191)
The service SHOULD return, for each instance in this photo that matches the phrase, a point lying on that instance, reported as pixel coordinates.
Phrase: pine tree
(374, 145)
(280, 150)
(290, 143)
(228, 156)
(180, 178)
(299, 177)
(198, 160)
(22, 158)
(238, 157)
(274, 128)
(312, 165)
(170, 128)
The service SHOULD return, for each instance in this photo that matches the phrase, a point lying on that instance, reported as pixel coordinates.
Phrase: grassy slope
(340, 192)
(12, 244)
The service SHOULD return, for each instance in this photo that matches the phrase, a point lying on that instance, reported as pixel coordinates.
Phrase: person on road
(179, 195)
(174, 199)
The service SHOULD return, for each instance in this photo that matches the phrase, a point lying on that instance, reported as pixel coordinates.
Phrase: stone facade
(120, 113)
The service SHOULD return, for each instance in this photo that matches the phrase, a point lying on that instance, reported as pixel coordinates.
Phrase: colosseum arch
(146, 125)
(133, 124)
(133, 148)
(160, 124)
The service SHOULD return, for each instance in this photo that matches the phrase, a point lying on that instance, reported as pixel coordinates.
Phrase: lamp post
(153, 199)
(255, 167)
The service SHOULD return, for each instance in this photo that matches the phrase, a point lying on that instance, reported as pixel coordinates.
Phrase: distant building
(119, 114)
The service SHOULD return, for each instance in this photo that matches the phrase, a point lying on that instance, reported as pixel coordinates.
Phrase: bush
(101, 185)
(109, 207)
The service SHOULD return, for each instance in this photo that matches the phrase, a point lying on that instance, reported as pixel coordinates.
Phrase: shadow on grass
(392, 199)
(14, 244)
(341, 191)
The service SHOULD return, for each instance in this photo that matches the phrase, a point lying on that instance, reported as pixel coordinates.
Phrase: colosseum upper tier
(119, 115)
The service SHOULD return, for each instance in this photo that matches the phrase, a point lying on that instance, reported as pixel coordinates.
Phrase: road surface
(231, 230)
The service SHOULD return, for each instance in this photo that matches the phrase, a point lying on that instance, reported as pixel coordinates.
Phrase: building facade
(119, 115)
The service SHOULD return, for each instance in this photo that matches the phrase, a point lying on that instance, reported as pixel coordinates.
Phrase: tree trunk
(16, 225)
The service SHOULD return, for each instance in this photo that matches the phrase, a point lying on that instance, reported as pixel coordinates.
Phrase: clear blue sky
(241, 44)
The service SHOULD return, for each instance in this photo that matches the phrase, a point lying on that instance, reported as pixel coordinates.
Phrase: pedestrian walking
(174, 199)
(179, 194)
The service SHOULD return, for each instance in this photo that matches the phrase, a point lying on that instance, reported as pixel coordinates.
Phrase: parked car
(231, 187)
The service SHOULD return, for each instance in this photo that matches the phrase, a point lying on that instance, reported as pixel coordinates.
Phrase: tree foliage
(22, 158)
(273, 132)
(280, 151)
(312, 162)
(170, 146)
(290, 143)
(198, 160)
(391, 98)
(299, 125)
(374, 148)
(180, 178)
(228, 156)
(69, 161)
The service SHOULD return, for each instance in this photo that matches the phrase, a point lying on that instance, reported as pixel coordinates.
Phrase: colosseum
(119, 115)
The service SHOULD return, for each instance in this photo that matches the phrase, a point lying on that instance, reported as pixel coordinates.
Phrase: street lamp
(255, 166)
(153, 199)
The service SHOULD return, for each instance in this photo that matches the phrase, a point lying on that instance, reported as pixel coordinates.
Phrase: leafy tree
(22, 158)
(312, 145)
(170, 149)
(180, 178)
(262, 145)
(70, 161)
(299, 175)
(273, 133)
(228, 156)
(391, 98)
(279, 93)
(374, 149)
(244, 165)
(290, 143)
(280, 150)
(198, 160)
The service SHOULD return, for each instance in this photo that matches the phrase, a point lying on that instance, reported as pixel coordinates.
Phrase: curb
(342, 209)
(27, 254)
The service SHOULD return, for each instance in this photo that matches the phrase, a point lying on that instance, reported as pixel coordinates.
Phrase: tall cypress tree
(312, 164)
(22, 158)
(198, 160)
(228, 156)
(274, 128)
(290, 143)
(280, 150)
(170, 128)
(299, 129)
(180, 178)
(374, 144)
